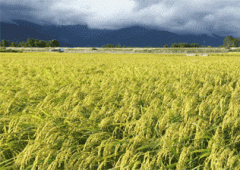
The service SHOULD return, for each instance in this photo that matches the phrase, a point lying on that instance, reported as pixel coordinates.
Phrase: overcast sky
(178, 16)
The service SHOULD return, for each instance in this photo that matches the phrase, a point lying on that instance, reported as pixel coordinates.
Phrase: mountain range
(82, 36)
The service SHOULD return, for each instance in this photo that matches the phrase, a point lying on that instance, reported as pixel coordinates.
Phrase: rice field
(70, 111)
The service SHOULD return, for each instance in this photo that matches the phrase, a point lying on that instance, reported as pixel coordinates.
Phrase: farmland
(119, 111)
(130, 50)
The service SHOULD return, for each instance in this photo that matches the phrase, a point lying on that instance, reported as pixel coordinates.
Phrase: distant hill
(82, 36)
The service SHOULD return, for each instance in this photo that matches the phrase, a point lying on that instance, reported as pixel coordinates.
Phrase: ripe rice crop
(119, 111)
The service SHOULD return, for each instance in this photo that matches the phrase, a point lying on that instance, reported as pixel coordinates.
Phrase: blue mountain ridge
(82, 36)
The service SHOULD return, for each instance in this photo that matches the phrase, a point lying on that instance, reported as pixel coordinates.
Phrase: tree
(194, 45)
(175, 45)
(236, 42)
(36, 43)
(165, 46)
(13, 44)
(109, 46)
(229, 41)
(48, 44)
(30, 42)
(8, 43)
(55, 43)
(4, 43)
(183, 44)
(23, 44)
(119, 46)
(41, 43)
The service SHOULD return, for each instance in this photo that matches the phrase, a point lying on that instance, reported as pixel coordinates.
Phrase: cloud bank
(178, 16)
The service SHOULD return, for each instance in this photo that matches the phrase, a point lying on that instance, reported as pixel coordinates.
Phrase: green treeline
(113, 46)
(165, 46)
(30, 43)
(183, 44)
(228, 42)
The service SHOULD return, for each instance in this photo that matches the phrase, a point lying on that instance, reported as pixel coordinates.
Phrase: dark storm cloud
(179, 16)
(24, 10)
